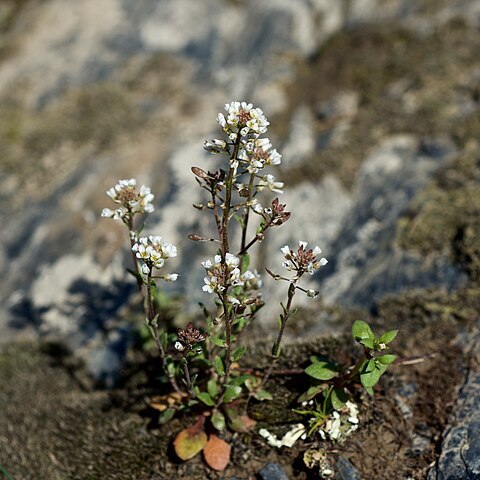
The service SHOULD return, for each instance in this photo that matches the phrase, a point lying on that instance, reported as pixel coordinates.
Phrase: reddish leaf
(190, 441)
(217, 453)
(237, 422)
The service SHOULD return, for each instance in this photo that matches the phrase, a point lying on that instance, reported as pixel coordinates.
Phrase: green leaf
(387, 359)
(368, 366)
(219, 368)
(205, 398)
(243, 379)
(212, 388)
(361, 330)
(218, 420)
(320, 372)
(164, 340)
(311, 393)
(338, 398)
(238, 353)
(166, 416)
(218, 341)
(245, 262)
(262, 395)
(388, 337)
(370, 379)
(368, 342)
(231, 393)
(369, 390)
(189, 442)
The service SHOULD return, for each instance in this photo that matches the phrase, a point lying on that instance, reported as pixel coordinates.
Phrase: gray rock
(460, 452)
(345, 470)
(273, 471)
(367, 264)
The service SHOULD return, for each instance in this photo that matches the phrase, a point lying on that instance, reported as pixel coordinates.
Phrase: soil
(55, 426)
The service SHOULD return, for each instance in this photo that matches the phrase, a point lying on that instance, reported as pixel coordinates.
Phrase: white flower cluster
(154, 252)
(304, 260)
(341, 423)
(242, 119)
(131, 202)
(259, 153)
(221, 275)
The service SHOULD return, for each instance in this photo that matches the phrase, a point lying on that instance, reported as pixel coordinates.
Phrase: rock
(460, 450)
(345, 470)
(367, 259)
(301, 141)
(273, 471)
(342, 105)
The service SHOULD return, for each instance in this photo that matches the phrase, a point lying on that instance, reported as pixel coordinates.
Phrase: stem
(225, 247)
(286, 316)
(186, 372)
(276, 346)
(256, 238)
(228, 200)
(247, 213)
(134, 257)
(154, 326)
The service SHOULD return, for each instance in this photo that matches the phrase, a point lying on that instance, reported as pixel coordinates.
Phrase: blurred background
(374, 105)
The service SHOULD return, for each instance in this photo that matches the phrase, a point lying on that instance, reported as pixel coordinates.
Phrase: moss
(370, 60)
(443, 218)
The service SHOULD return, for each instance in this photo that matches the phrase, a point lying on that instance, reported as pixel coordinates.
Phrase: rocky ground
(375, 109)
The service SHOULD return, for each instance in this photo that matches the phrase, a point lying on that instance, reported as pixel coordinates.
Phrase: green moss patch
(444, 218)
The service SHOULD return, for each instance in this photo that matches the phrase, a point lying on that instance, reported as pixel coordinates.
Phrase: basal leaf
(205, 398)
(212, 388)
(217, 453)
(218, 420)
(231, 393)
(190, 442)
(262, 395)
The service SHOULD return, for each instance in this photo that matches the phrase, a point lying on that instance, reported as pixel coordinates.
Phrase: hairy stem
(276, 346)
(247, 214)
(133, 233)
(150, 311)
(186, 373)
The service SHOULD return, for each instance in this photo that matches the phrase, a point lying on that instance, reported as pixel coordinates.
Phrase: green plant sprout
(334, 384)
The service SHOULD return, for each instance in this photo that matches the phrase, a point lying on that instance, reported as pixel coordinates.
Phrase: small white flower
(312, 293)
(171, 277)
(215, 146)
(257, 208)
(145, 269)
(106, 212)
(269, 182)
(131, 201)
(231, 260)
(178, 346)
